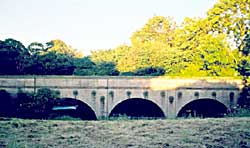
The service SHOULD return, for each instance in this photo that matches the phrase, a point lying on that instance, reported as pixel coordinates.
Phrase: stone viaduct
(106, 96)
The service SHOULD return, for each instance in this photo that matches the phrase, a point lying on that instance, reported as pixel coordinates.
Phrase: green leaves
(34, 105)
(12, 56)
(246, 48)
(231, 17)
(50, 64)
(36, 48)
(189, 50)
(199, 47)
(85, 66)
(244, 67)
(158, 29)
(58, 46)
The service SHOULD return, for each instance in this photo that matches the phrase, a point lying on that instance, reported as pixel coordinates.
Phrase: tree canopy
(60, 47)
(231, 17)
(216, 45)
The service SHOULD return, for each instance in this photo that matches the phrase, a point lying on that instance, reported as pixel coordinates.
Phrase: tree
(50, 63)
(110, 55)
(84, 66)
(244, 68)
(213, 58)
(190, 50)
(106, 69)
(36, 48)
(35, 105)
(24, 104)
(246, 48)
(244, 65)
(150, 45)
(43, 101)
(135, 58)
(231, 17)
(58, 46)
(143, 56)
(206, 54)
(57, 64)
(187, 36)
(157, 29)
(244, 99)
(150, 71)
(12, 56)
(6, 104)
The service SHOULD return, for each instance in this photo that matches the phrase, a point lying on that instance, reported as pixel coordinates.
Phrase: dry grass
(224, 132)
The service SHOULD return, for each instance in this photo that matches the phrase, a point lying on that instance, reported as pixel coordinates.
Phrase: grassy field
(223, 132)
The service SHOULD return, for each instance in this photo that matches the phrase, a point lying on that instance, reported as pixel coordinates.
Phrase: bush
(150, 71)
(24, 104)
(127, 74)
(240, 112)
(106, 69)
(6, 107)
(244, 99)
(35, 105)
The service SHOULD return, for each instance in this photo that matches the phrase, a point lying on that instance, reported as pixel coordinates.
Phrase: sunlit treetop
(61, 47)
(231, 17)
(158, 29)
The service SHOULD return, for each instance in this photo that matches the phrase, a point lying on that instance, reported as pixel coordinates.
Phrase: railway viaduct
(143, 96)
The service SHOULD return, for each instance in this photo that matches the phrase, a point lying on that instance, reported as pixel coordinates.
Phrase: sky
(89, 24)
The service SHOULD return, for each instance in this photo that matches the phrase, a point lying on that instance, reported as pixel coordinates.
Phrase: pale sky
(88, 24)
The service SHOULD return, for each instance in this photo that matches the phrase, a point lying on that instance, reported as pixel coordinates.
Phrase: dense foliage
(54, 58)
(27, 104)
(210, 46)
(217, 45)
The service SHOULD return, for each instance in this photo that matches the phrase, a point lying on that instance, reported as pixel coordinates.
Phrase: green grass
(240, 112)
(210, 132)
(66, 118)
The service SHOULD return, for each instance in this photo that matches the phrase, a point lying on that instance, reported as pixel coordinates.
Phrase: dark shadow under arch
(82, 110)
(137, 108)
(203, 108)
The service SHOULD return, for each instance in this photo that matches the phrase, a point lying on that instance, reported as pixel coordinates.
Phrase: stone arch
(137, 107)
(204, 107)
(82, 109)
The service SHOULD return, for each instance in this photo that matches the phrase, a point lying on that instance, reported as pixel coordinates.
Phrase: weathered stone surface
(159, 89)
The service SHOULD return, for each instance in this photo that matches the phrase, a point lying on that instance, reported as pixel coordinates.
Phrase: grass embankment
(223, 132)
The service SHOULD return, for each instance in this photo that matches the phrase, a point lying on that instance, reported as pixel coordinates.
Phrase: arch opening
(73, 108)
(137, 108)
(203, 108)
